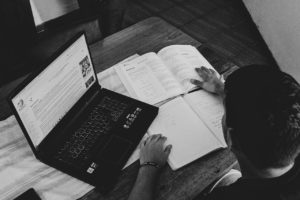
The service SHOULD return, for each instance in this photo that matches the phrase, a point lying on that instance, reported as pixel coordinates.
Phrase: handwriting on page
(189, 136)
(210, 109)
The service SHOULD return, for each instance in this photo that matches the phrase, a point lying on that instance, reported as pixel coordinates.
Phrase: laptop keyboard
(77, 148)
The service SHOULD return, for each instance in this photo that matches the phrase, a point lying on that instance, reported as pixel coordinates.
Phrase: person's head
(263, 111)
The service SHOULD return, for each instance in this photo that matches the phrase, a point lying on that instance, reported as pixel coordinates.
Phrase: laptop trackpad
(115, 151)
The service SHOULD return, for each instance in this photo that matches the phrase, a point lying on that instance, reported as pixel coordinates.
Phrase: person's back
(286, 187)
(263, 118)
(261, 125)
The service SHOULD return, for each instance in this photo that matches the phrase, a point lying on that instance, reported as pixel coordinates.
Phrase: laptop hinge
(92, 97)
(81, 110)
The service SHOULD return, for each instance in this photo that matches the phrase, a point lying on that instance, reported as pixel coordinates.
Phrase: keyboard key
(77, 148)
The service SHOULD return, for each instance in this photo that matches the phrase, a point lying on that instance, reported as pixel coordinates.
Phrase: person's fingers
(202, 73)
(198, 70)
(151, 137)
(212, 71)
(147, 139)
(197, 82)
(168, 149)
(155, 137)
(159, 136)
(205, 69)
(143, 143)
(162, 140)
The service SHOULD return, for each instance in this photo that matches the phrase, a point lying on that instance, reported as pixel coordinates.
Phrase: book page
(209, 108)
(109, 78)
(164, 75)
(182, 61)
(148, 79)
(189, 136)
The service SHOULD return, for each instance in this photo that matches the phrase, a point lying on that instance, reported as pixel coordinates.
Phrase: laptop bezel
(82, 101)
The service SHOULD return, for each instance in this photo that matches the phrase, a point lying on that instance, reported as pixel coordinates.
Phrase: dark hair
(263, 107)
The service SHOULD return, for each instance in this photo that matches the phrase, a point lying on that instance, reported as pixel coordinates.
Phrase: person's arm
(211, 82)
(153, 156)
(144, 184)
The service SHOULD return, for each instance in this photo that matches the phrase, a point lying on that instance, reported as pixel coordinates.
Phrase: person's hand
(211, 82)
(153, 150)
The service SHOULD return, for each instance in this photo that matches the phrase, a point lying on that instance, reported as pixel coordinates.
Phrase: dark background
(222, 25)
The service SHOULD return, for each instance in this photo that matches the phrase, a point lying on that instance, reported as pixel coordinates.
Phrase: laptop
(74, 125)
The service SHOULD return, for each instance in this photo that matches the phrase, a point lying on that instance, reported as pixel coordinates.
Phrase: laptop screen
(51, 94)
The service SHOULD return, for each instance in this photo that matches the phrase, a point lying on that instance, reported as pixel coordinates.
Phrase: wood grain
(185, 183)
(146, 36)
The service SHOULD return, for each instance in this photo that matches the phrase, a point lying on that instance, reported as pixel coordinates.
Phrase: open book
(153, 78)
(191, 122)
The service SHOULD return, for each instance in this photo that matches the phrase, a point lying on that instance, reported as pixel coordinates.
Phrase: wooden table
(151, 35)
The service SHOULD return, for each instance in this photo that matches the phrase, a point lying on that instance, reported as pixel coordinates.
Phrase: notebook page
(190, 137)
(209, 108)
(182, 61)
(148, 79)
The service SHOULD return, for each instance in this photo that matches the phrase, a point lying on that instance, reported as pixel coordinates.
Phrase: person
(261, 125)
